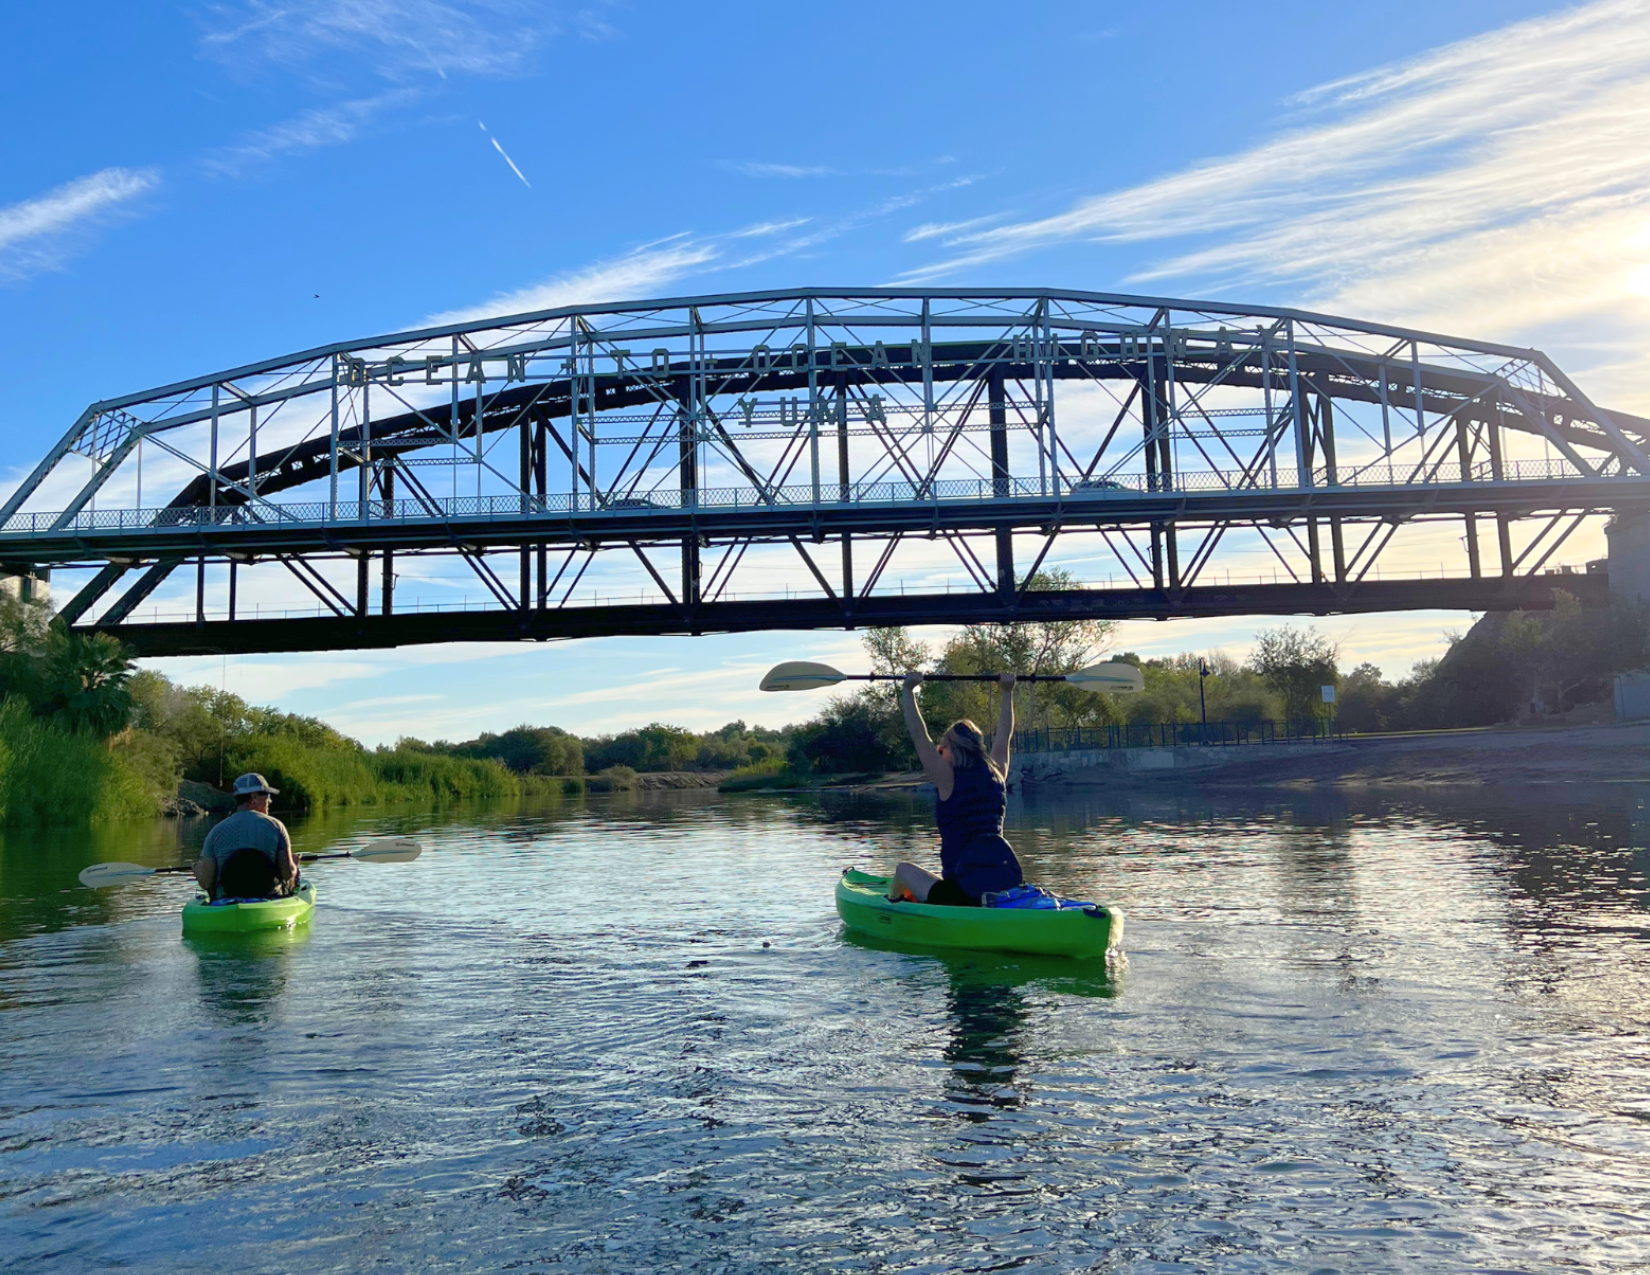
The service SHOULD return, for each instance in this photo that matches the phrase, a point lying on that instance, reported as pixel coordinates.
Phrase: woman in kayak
(969, 799)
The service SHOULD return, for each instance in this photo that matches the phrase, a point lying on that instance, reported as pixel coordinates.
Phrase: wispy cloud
(40, 233)
(401, 39)
(753, 168)
(648, 270)
(641, 273)
(946, 229)
(1503, 180)
(763, 229)
(308, 131)
(758, 168)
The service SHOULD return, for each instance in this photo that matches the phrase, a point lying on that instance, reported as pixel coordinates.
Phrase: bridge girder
(245, 636)
(880, 420)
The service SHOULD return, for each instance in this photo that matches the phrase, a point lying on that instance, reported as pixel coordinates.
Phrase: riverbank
(1502, 755)
(1587, 753)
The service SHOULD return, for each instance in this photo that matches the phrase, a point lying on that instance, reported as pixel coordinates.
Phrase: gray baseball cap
(252, 783)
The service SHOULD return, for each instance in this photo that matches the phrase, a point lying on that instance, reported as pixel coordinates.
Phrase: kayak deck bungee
(863, 904)
(250, 916)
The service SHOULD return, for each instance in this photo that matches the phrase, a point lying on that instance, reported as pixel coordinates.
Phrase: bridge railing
(1175, 735)
(827, 494)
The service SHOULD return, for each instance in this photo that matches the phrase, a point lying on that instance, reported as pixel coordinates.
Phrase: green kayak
(862, 903)
(203, 917)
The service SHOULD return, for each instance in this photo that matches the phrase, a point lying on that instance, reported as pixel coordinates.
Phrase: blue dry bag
(1029, 896)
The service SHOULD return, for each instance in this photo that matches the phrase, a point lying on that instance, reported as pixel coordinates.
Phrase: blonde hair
(967, 744)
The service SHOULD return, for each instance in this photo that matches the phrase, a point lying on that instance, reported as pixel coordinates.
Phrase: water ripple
(1352, 1034)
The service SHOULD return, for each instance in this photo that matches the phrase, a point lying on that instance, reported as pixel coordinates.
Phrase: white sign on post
(1328, 693)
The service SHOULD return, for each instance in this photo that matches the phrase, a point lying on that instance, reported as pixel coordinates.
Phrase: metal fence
(1176, 734)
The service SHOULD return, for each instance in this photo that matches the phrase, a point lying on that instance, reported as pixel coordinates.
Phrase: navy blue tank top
(973, 852)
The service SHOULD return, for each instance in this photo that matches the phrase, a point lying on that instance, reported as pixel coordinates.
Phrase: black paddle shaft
(302, 858)
(953, 677)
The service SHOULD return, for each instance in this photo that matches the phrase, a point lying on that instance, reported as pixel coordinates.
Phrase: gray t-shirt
(247, 830)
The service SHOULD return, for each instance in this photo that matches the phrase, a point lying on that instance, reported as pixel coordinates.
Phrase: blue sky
(190, 187)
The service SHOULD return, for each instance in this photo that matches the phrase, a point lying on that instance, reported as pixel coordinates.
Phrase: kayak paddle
(387, 850)
(801, 675)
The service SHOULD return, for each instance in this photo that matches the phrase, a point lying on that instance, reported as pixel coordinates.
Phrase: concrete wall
(1633, 697)
(1629, 539)
(1032, 768)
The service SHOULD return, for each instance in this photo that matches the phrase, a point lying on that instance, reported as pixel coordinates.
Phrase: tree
(25, 626)
(1364, 701)
(536, 750)
(85, 679)
(858, 732)
(1567, 655)
(893, 650)
(1296, 663)
(1032, 646)
(649, 748)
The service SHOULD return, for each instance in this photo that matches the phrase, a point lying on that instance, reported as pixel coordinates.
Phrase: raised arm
(1005, 722)
(934, 766)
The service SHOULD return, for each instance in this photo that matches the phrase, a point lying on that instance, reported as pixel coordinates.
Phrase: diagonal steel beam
(147, 583)
(814, 569)
(92, 590)
(653, 571)
(1538, 418)
(316, 583)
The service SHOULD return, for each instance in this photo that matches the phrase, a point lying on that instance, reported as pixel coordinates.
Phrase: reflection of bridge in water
(799, 460)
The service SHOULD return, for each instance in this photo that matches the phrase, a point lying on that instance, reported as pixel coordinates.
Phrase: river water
(1352, 1033)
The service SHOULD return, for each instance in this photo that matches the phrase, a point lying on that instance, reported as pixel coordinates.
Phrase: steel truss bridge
(823, 459)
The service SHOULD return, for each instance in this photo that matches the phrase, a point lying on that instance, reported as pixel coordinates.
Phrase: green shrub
(314, 775)
(613, 779)
(409, 775)
(771, 772)
(49, 775)
(308, 777)
(153, 757)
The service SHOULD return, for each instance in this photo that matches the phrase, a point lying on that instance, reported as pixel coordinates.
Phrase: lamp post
(1203, 672)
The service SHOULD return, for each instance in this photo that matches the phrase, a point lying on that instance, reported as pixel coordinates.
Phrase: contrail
(507, 158)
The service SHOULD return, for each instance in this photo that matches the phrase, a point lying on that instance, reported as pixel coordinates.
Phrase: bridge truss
(823, 459)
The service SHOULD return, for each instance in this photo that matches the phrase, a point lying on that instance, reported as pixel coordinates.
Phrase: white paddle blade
(800, 675)
(1119, 679)
(389, 850)
(100, 874)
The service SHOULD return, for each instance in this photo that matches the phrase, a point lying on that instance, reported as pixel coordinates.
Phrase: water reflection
(241, 979)
(39, 867)
(986, 1036)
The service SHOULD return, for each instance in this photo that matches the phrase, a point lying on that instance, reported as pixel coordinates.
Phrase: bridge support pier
(1629, 539)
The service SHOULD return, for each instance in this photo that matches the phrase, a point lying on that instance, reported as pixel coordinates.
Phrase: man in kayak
(249, 854)
(969, 799)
